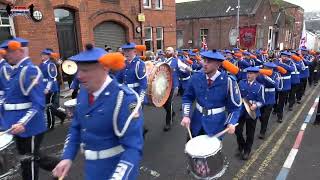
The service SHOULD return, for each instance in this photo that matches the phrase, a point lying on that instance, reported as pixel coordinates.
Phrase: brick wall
(89, 14)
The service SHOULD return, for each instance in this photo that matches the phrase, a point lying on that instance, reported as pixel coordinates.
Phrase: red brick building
(215, 20)
(67, 26)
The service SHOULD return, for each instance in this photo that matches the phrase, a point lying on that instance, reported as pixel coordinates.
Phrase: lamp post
(238, 24)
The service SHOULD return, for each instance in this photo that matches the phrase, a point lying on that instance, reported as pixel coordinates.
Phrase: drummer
(253, 92)
(176, 64)
(3, 64)
(23, 108)
(216, 94)
(109, 135)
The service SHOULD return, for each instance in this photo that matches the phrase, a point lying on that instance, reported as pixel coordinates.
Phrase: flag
(303, 40)
(204, 45)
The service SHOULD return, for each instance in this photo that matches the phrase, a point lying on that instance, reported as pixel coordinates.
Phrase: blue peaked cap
(90, 55)
(213, 55)
(129, 46)
(24, 42)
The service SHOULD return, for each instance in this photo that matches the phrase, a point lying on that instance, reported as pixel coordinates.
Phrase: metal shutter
(109, 33)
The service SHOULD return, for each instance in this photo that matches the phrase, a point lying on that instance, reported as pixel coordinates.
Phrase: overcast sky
(308, 5)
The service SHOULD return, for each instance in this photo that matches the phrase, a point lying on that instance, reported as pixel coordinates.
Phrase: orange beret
(267, 72)
(114, 61)
(143, 58)
(295, 57)
(3, 52)
(227, 65)
(195, 50)
(282, 70)
(239, 55)
(189, 61)
(54, 55)
(141, 48)
(14, 45)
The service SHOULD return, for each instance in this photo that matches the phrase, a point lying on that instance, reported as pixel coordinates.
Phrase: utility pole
(238, 24)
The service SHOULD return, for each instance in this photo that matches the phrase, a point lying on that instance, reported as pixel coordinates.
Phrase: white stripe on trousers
(32, 160)
(50, 113)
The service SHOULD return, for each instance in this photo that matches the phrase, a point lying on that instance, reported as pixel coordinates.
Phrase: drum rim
(9, 143)
(151, 78)
(71, 100)
(213, 153)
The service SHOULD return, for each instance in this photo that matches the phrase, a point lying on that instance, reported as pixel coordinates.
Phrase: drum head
(159, 84)
(5, 140)
(69, 67)
(203, 146)
(71, 103)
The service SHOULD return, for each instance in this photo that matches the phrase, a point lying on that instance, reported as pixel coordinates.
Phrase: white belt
(209, 112)
(286, 77)
(315, 71)
(1, 93)
(184, 79)
(45, 80)
(270, 89)
(103, 154)
(295, 73)
(21, 106)
(134, 85)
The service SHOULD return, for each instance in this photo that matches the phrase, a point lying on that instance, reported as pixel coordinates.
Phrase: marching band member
(271, 84)
(304, 75)
(50, 72)
(176, 65)
(295, 80)
(134, 74)
(184, 76)
(253, 92)
(216, 94)
(107, 123)
(242, 64)
(4, 72)
(283, 94)
(23, 109)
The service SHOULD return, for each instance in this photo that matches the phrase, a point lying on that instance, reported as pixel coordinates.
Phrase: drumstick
(5, 132)
(189, 132)
(61, 178)
(223, 132)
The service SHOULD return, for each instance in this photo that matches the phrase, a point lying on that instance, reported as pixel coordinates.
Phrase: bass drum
(159, 83)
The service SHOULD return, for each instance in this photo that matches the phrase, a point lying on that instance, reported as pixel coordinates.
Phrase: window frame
(161, 5)
(205, 36)
(149, 6)
(10, 25)
(160, 39)
(149, 39)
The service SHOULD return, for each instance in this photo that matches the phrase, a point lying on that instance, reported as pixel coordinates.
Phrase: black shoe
(299, 101)
(279, 120)
(262, 136)
(290, 108)
(245, 156)
(166, 128)
(145, 131)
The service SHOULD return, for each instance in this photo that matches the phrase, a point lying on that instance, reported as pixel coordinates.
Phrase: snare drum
(8, 159)
(205, 159)
(70, 106)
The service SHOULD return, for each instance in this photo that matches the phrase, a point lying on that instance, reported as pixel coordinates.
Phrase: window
(148, 39)
(260, 37)
(147, 3)
(179, 39)
(159, 38)
(204, 35)
(158, 4)
(6, 24)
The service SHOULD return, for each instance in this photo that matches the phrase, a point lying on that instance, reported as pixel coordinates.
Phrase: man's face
(44, 57)
(251, 76)
(14, 56)
(129, 53)
(169, 53)
(90, 75)
(285, 58)
(210, 66)
(229, 56)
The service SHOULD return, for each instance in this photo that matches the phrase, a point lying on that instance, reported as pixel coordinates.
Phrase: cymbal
(251, 113)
